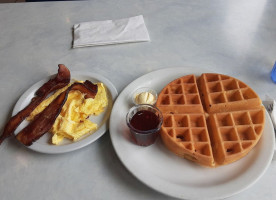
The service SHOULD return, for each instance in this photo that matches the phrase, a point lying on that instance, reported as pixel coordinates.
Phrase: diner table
(232, 37)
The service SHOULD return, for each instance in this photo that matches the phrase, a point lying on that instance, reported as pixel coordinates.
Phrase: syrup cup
(148, 136)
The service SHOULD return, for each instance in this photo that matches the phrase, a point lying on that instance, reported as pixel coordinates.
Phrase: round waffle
(213, 119)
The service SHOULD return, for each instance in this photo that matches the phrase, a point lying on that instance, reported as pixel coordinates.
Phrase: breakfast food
(73, 122)
(43, 122)
(144, 122)
(144, 95)
(65, 112)
(145, 98)
(60, 80)
(213, 119)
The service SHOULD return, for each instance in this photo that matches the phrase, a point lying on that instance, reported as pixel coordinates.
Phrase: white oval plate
(169, 174)
(43, 144)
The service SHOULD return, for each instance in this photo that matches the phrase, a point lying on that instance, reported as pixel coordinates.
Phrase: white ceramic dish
(161, 170)
(44, 145)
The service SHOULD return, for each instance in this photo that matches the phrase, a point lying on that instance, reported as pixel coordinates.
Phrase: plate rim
(58, 149)
(157, 188)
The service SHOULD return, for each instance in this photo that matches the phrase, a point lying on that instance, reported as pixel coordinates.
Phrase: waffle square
(235, 133)
(225, 93)
(213, 119)
(181, 96)
(187, 136)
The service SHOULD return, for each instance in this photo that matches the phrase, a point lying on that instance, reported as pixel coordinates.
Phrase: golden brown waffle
(180, 96)
(187, 136)
(234, 134)
(221, 132)
(225, 93)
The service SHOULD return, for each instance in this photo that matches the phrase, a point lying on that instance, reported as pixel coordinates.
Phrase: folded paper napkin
(110, 32)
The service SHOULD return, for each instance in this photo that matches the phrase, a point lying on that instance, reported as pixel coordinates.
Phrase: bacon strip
(46, 119)
(61, 80)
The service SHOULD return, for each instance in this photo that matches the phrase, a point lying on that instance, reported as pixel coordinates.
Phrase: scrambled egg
(73, 122)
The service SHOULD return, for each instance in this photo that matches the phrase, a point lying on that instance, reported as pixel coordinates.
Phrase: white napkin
(126, 30)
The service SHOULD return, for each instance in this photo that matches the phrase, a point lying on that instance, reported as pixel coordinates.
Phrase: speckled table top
(234, 37)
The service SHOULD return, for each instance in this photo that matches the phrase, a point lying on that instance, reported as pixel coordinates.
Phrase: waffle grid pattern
(183, 95)
(223, 92)
(229, 127)
(190, 131)
(236, 132)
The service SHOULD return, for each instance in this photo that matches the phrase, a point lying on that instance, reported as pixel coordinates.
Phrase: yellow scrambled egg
(73, 122)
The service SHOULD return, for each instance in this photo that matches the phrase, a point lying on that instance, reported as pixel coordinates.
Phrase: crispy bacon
(46, 119)
(62, 79)
(92, 87)
(59, 81)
